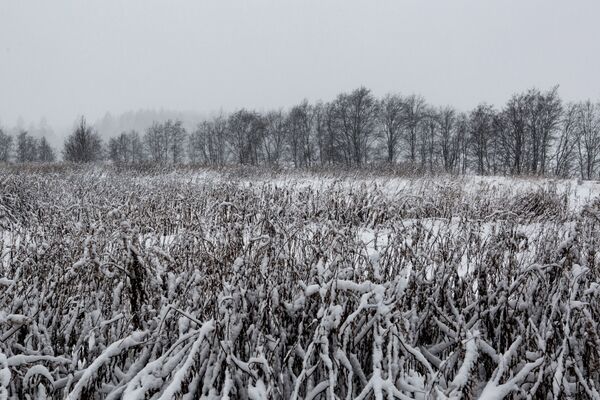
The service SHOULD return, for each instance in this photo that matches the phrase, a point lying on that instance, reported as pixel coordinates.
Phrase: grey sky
(61, 59)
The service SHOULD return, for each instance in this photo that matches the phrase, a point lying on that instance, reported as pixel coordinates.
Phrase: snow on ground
(579, 193)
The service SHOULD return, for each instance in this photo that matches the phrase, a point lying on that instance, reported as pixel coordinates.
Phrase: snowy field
(207, 284)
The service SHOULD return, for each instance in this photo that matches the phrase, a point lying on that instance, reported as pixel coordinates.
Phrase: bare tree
(45, 152)
(275, 137)
(321, 117)
(245, 132)
(6, 144)
(496, 160)
(118, 149)
(340, 129)
(299, 131)
(544, 111)
(83, 145)
(328, 138)
(427, 138)
(26, 149)
(530, 122)
(462, 138)
(588, 138)
(413, 115)
(550, 118)
(514, 138)
(449, 143)
(126, 148)
(363, 108)
(197, 143)
(216, 141)
(480, 125)
(155, 143)
(175, 136)
(136, 144)
(354, 121)
(565, 148)
(207, 143)
(165, 143)
(391, 121)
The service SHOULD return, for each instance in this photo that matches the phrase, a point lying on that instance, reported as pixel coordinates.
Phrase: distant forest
(534, 133)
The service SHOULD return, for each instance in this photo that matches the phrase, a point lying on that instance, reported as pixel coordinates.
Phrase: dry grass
(140, 284)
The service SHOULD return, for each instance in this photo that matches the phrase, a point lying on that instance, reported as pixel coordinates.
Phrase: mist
(65, 59)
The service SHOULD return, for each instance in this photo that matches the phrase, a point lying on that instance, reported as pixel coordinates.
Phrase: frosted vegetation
(296, 286)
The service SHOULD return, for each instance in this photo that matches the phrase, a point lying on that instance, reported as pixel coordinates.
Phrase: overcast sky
(61, 59)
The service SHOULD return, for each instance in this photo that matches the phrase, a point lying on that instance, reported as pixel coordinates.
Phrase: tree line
(534, 133)
(25, 148)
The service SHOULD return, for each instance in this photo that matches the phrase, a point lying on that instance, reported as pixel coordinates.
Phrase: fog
(63, 59)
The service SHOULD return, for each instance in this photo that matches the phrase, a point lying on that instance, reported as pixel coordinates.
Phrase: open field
(216, 284)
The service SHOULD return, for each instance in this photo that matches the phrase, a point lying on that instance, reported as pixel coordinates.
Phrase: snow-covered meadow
(223, 284)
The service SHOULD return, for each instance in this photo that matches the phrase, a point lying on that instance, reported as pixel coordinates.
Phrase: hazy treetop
(61, 59)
